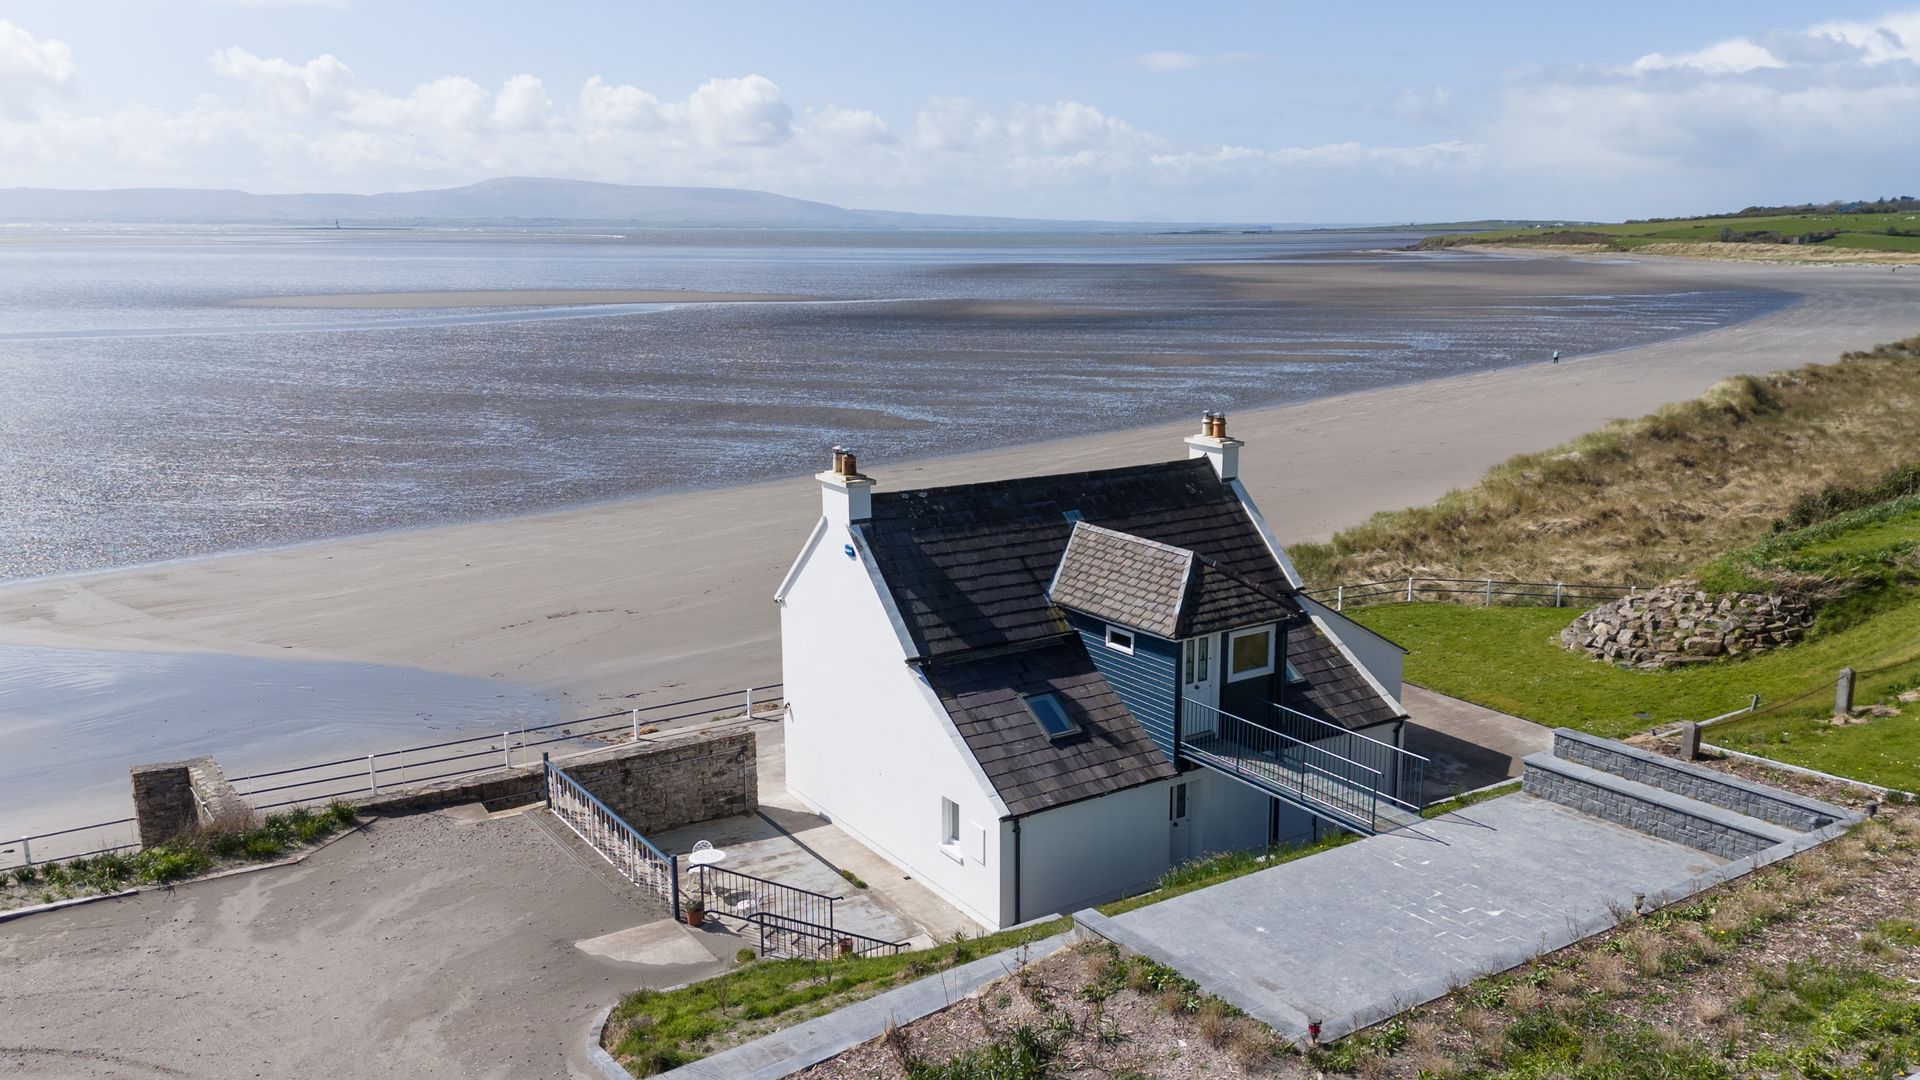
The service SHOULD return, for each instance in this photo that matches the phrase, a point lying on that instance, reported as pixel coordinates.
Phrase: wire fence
(370, 774)
(1486, 591)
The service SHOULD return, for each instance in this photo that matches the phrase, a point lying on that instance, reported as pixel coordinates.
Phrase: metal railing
(1488, 591)
(784, 937)
(633, 855)
(1403, 772)
(22, 848)
(731, 894)
(369, 774)
(1323, 781)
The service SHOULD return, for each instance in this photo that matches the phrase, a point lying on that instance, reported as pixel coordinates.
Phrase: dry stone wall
(1680, 624)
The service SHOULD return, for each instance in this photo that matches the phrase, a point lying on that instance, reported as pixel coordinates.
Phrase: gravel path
(428, 946)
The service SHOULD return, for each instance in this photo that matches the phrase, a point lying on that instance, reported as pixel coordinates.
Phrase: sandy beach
(662, 597)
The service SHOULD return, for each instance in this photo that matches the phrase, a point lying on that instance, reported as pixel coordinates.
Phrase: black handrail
(841, 942)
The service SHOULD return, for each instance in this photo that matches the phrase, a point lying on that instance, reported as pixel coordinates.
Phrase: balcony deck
(1348, 779)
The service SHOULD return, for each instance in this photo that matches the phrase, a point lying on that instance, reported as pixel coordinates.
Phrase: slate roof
(1111, 753)
(1333, 688)
(1124, 579)
(969, 565)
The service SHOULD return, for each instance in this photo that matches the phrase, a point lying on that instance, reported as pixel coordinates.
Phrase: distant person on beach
(1556, 356)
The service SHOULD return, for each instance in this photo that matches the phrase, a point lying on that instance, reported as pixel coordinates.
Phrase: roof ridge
(1135, 538)
(1145, 466)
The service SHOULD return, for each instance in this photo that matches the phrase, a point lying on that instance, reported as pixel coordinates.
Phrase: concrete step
(1728, 792)
(1655, 811)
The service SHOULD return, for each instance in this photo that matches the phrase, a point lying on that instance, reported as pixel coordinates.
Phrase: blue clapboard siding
(1147, 681)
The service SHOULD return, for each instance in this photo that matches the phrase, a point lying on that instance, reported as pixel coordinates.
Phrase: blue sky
(1249, 112)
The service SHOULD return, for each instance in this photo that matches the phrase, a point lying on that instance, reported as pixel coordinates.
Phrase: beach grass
(1645, 500)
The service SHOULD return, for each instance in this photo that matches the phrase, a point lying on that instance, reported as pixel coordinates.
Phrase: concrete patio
(1358, 933)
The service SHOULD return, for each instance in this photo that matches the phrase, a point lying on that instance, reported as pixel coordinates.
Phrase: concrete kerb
(1802, 770)
(784, 1053)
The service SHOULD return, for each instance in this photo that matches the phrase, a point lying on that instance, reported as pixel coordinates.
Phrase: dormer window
(1051, 716)
(1120, 639)
(1249, 653)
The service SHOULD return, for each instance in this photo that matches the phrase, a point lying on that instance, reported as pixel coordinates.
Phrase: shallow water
(143, 417)
(72, 721)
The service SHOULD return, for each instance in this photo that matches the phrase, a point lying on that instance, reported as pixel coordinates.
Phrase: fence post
(1753, 703)
(673, 869)
(1843, 693)
(1409, 588)
(1558, 589)
(373, 777)
(636, 725)
(1690, 741)
(1340, 598)
(749, 704)
(26, 850)
(546, 777)
(506, 748)
(1489, 602)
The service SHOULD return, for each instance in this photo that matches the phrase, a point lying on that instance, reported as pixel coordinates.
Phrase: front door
(1200, 685)
(1181, 843)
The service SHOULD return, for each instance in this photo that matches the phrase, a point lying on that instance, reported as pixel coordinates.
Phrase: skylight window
(1051, 716)
(1293, 674)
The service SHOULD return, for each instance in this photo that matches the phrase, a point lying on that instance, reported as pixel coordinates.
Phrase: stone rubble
(1679, 624)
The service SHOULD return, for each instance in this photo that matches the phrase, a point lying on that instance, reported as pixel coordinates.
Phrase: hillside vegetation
(1790, 235)
(1642, 501)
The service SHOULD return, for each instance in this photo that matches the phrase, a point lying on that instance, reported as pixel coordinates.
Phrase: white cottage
(1037, 694)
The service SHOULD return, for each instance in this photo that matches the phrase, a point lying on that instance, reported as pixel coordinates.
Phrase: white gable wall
(868, 744)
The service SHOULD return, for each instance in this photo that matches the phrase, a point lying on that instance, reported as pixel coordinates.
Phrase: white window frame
(1251, 673)
(950, 829)
(1123, 632)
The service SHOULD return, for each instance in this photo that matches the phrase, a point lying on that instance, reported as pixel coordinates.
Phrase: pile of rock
(1679, 624)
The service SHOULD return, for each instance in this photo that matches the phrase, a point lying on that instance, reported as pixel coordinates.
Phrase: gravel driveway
(439, 945)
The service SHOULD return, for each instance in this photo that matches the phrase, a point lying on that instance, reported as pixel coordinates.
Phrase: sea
(144, 416)
(148, 414)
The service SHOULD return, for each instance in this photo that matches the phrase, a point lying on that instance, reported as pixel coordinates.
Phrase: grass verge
(177, 859)
(651, 1031)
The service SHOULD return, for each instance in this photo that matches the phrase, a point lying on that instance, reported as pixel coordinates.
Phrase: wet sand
(486, 298)
(662, 597)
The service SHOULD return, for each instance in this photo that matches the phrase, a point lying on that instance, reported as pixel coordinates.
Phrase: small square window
(1051, 716)
(1120, 639)
(950, 824)
(1250, 653)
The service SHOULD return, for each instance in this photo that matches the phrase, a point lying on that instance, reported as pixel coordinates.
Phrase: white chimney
(1213, 444)
(846, 497)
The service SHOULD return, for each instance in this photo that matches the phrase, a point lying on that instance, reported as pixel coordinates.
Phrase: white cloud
(848, 127)
(1428, 104)
(1730, 57)
(521, 105)
(740, 112)
(28, 66)
(1891, 38)
(317, 85)
(1161, 63)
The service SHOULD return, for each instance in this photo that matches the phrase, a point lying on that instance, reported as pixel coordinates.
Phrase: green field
(1508, 659)
(1899, 232)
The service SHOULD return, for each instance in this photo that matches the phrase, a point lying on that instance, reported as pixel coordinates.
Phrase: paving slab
(1353, 935)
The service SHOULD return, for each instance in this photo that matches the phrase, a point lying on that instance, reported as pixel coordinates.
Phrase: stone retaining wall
(1642, 814)
(655, 786)
(1679, 624)
(1717, 789)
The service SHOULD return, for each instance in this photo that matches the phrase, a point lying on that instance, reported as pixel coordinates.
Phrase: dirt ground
(1096, 1013)
(439, 945)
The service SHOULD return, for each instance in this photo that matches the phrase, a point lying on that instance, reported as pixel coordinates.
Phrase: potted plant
(696, 913)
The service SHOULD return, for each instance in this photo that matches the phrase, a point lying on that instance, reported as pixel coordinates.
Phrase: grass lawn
(1884, 750)
(1866, 232)
(1508, 659)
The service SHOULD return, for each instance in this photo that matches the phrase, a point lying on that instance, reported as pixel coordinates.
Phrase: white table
(709, 857)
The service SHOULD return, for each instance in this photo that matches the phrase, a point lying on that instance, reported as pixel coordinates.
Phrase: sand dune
(668, 596)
